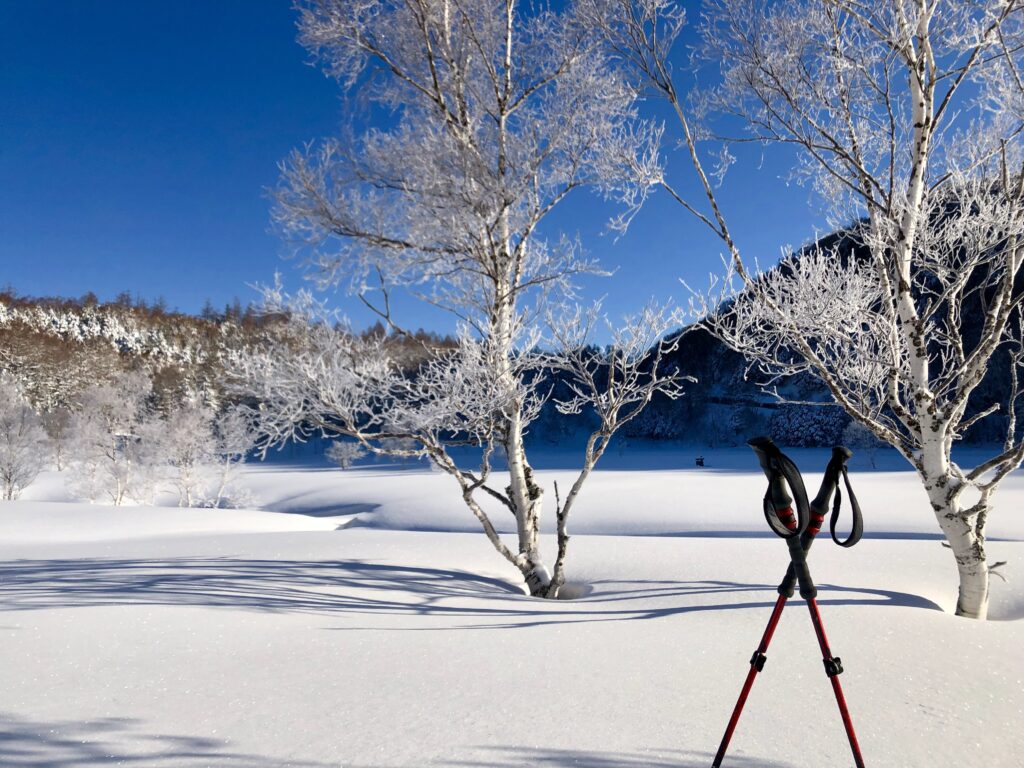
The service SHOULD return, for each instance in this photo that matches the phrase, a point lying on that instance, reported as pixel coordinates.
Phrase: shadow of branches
(361, 588)
(117, 741)
(518, 757)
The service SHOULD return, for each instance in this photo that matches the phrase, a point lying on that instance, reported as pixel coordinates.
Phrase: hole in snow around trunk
(574, 590)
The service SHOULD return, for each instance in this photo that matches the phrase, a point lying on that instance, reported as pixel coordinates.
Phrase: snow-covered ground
(361, 621)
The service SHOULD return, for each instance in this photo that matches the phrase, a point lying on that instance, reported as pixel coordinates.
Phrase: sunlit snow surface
(363, 622)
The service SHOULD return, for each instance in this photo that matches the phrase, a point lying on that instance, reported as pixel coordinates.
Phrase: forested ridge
(56, 347)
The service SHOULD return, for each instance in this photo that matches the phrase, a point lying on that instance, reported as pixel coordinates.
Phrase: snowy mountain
(729, 402)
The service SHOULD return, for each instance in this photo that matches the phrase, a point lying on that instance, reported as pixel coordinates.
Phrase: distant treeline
(56, 347)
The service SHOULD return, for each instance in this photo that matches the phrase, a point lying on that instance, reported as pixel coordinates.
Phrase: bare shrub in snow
(615, 382)
(57, 422)
(186, 446)
(23, 442)
(344, 454)
(906, 118)
(501, 115)
(107, 455)
(235, 432)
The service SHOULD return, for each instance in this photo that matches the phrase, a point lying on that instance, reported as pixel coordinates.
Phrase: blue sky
(137, 141)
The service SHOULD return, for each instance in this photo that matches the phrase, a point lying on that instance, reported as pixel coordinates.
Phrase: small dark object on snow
(700, 461)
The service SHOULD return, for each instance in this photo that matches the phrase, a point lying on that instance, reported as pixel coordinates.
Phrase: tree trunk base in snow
(538, 581)
(972, 602)
(967, 544)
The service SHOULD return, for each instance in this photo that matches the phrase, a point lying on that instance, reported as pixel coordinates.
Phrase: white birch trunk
(968, 548)
(526, 497)
(558, 579)
(222, 481)
(965, 538)
(523, 492)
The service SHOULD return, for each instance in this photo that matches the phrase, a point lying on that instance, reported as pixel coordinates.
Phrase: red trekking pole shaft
(756, 665)
(833, 668)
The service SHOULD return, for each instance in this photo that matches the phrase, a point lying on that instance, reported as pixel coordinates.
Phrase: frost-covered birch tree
(905, 117)
(498, 110)
(56, 421)
(344, 454)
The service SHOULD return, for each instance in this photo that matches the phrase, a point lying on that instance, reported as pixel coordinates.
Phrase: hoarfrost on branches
(906, 118)
(186, 446)
(235, 433)
(57, 421)
(615, 382)
(501, 110)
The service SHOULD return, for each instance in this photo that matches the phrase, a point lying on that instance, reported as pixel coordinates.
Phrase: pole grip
(819, 507)
(767, 456)
(783, 477)
(840, 455)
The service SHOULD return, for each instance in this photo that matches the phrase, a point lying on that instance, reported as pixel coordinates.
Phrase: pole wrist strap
(858, 520)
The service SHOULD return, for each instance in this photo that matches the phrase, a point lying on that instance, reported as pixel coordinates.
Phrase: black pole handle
(778, 504)
(798, 555)
(836, 467)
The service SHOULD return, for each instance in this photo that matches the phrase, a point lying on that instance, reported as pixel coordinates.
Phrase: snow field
(166, 637)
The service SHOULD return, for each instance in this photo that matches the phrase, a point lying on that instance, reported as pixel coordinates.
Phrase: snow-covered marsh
(366, 623)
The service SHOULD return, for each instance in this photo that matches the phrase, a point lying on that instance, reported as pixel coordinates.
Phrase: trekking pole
(799, 532)
(778, 507)
(833, 665)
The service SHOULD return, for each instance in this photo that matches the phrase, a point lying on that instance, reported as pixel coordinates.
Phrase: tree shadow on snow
(518, 757)
(356, 588)
(118, 741)
(123, 741)
(261, 585)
